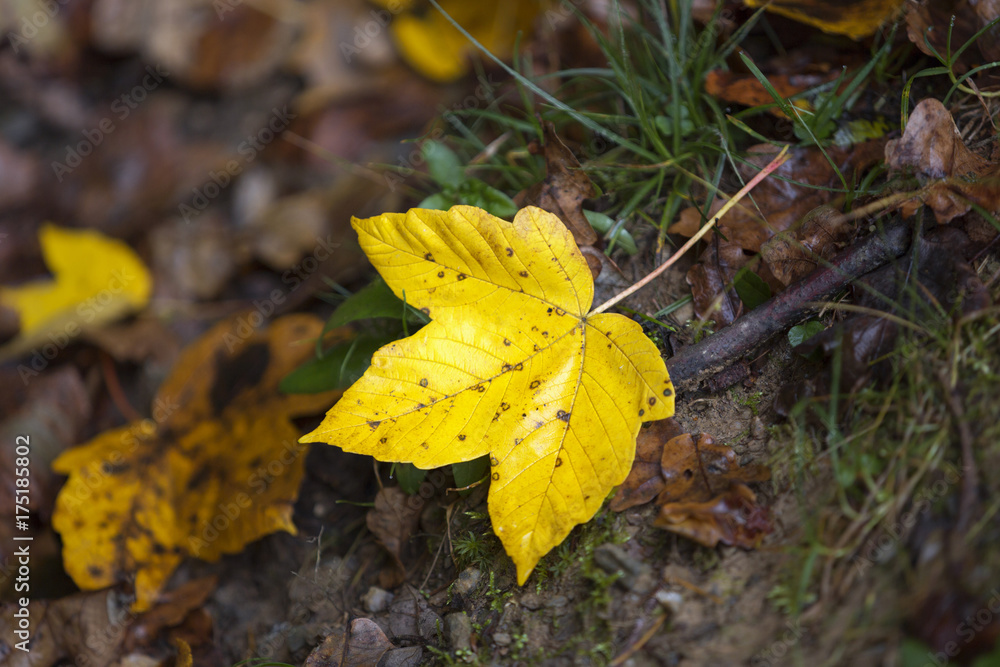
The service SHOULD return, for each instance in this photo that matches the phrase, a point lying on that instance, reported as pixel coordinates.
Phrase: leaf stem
(764, 173)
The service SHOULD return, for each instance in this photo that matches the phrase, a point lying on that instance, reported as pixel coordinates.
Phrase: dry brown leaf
(87, 628)
(563, 190)
(392, 521)
(219, 465)
(953, 175)
(796, 187)
(930, 25)
(794, 253)
(361, 644)
(673, 467)
(746, 89)
(645, 481)
(171, 608)
(732, 518)
(708, 278)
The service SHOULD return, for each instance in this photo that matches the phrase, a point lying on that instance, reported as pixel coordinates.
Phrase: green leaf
(475, 192)
(375, 300)
(603, 224)
(751, 288)
(470, 472)
(410, 477)
(443, 164)
(803, 332)
(339, 367)
(439, 202)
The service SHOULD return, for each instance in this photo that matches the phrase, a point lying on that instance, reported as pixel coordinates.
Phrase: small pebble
(458, 628)
(501, 639)
(467, 581)
(670, 600)
(377, 600)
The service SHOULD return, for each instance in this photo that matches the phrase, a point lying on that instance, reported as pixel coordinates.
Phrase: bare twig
(782, 311)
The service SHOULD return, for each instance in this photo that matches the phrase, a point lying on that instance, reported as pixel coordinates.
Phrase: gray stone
(458, 629)
(377, 599)
(532, 601)
(402, 657)
(501, 639)
(636, 576)
(467, 581)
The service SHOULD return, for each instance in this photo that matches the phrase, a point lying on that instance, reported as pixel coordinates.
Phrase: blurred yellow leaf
(856, 19)
(436, 49)
(511, 365)
(96, 279)
(217, 467)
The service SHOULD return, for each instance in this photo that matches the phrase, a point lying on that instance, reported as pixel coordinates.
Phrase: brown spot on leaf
(461, 437)
(480, 388)
(382, 441)
(373, 425)
(563, 415)
(668, 392)
(429, 257)
(495, 476)
(423, 382)
(534, 384)
(642, 412)
(462, 276)
(425, 311)
(506, 342)
(558, 461)
(440, 274)
(652, 401)
(523, 274)
(510, 252)
(504, 407)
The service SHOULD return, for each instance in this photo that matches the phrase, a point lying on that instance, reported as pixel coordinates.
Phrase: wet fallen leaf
(794, 253)
(170, 610)
(112, 282)
(675, 467)
(732, 518)
(856, 19)
(216, 468)
(932, 26)
(392, 521)
(563, 190)
(361, 644)
(511, 365)
(746, 89)
(953, 176)
(435, 48)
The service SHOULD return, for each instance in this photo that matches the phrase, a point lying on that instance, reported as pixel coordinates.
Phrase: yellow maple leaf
(511, 365)
(436, 49)
(96, 280)
(217, 467)
(856, 19)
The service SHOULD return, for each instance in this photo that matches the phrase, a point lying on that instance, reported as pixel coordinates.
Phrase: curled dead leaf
(732, 518)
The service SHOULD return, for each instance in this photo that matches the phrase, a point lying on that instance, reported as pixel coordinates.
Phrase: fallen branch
(720, 350)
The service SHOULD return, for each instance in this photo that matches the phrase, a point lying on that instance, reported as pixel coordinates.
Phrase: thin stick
(764, 173)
